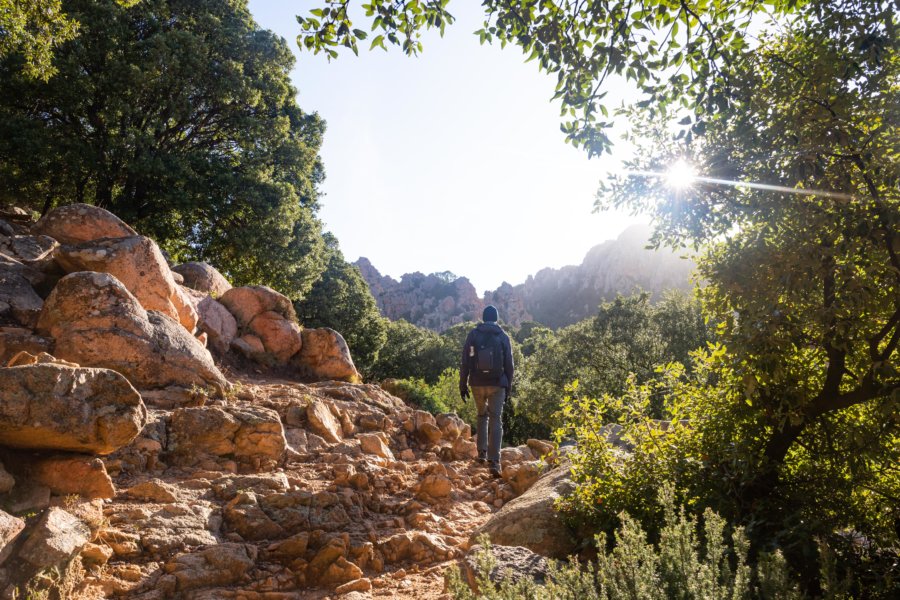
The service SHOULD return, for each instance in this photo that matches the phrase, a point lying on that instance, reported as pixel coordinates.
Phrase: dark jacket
(469, 377)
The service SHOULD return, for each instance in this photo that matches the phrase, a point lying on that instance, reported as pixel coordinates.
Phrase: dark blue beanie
(490, 314)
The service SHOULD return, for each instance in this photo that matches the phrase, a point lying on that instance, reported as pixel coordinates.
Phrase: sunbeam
(681, 176)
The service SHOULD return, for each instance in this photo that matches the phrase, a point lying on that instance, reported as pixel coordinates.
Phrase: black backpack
(488, 359)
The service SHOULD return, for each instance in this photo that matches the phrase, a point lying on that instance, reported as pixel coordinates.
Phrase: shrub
(691, 561)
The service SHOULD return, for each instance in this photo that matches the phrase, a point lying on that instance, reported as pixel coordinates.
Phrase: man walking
(487, 365)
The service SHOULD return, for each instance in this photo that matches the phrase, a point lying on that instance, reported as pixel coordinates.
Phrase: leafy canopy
(33, 30)
(178, 116)
(672, 51)
(793, 412)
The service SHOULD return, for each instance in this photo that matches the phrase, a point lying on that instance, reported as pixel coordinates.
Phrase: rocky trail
(165, 435)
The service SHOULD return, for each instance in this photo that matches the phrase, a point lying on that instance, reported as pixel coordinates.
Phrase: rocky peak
(436, 301)
(553, 297)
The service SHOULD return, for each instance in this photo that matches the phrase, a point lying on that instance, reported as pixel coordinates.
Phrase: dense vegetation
(629, 336)
(690, 562)
(340, 299)
(179, 117)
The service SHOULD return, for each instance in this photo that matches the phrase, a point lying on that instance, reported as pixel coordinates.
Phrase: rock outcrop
(67, 474)
(511, 563)
(531, 521)
(55, 539)
(203, 277)
(97, 322)
(217, 323)
(249, 434)
(325, 355)
(139, 265)
(267, 324)
(436, 301)
(19, 303)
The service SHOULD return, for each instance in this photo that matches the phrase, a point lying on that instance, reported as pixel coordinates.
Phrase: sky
(449, 161)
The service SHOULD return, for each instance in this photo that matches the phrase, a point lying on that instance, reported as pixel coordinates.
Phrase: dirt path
(368, 495)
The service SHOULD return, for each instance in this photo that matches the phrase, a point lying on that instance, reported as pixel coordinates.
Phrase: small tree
(341, 300)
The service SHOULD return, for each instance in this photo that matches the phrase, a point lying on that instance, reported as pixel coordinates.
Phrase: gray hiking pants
(489, 404)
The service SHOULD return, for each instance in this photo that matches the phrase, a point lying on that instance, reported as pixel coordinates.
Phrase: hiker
(487, 365)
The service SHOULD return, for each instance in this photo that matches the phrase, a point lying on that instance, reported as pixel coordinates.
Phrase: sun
(681, 175)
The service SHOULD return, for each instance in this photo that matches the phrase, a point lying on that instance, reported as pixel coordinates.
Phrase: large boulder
(531, 519)
(213, 320)
(250, 435)
(511, 563)
(139, 264)
(267, 322)
(323, 422)
(97, 322)
(245, 303)
(56, 407)
(76, 223)
(203, 277)
(37, 251)
(325, 355)
(218, 565)
(71, 474)
(279, 336)
(217, 323)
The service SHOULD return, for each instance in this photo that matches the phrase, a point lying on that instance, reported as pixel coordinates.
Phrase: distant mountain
(553, 297)
(436, 301)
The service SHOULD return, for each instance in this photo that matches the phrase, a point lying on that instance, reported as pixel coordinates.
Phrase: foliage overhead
(179, 117)
(794, 424)
(33, 30)
(675, 53)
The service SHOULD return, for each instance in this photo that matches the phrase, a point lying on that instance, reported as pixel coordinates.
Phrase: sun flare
(681, 175)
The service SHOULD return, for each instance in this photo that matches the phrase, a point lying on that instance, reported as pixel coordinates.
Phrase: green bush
(691, 561)
(417, 393)
(708, 454)
(629, 335)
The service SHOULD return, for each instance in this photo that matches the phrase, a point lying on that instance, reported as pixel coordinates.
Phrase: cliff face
(553, 297)
(436, 301)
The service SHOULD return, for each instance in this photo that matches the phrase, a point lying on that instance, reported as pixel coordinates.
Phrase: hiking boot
(495, 471)
(482, 460)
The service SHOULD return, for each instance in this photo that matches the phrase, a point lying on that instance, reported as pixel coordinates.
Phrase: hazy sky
(452, 160)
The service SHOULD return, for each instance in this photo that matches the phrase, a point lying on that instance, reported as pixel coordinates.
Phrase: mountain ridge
(555, 297)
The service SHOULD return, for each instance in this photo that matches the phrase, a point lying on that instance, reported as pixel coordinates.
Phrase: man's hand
(464, 392)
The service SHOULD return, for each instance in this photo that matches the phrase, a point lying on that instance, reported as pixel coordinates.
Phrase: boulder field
(160, 441)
